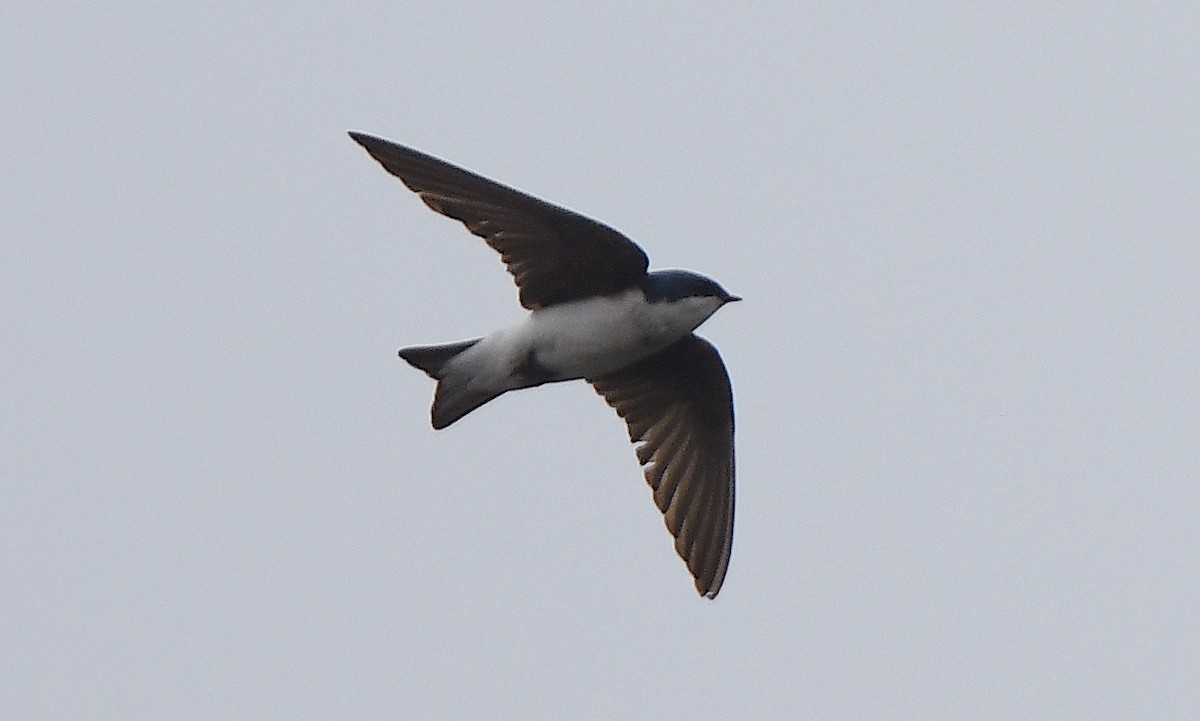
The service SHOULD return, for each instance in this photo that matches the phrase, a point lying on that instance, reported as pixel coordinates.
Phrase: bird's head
(690, 297)
(674, 285)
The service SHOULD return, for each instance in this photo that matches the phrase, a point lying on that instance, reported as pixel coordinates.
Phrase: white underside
(582, 339)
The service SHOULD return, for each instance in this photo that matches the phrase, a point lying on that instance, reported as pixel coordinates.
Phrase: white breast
(582, 339)
(596, 336)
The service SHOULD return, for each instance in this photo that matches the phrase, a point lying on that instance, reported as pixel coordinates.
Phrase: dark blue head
(671, 285)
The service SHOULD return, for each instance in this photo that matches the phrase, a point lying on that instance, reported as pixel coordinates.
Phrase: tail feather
(454, 397)
(433, 358)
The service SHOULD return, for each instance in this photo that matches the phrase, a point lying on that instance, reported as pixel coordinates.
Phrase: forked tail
(455, 396)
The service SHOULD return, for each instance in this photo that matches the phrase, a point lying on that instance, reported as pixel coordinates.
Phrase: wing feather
(554, 254)
(678, 405)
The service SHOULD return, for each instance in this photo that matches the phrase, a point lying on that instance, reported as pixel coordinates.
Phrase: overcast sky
(965, 369)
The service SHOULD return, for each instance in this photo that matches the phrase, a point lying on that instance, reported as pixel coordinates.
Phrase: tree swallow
(595, 314)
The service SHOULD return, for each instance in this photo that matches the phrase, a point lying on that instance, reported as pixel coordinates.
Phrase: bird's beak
(732, 298)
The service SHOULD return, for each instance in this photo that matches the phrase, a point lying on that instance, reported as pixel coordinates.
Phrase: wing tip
(368, 142)
(709, 582)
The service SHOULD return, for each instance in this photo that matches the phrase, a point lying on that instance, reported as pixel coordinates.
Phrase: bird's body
(595, 314)
(593, 337)
(580, 339)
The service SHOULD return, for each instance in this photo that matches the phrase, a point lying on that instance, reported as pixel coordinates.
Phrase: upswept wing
(554, 254)
(679, 405)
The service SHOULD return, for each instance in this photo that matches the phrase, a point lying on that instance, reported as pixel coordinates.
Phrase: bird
(597, 314)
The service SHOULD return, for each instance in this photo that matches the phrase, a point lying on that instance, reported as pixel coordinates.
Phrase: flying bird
(596, 314)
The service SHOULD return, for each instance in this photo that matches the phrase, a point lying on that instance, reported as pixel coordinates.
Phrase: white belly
(594, 337)
(582, 339)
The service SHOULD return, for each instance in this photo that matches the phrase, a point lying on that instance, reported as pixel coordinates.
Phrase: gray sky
(965, 369)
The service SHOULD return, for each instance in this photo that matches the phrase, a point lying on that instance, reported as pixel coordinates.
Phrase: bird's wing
(679, 405)
(554, 254)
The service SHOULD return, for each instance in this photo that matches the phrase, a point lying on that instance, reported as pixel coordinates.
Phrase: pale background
(965, 369)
